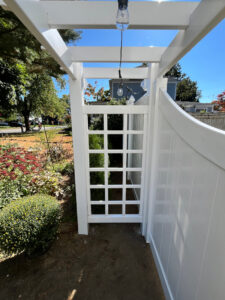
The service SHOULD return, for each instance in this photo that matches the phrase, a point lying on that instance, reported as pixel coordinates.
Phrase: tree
(18, 44)
(11, 87)
(46, 101)
(33, 90)
(28, 94)
(187, 90)
(176, 72)
(220, 102)
(100, 95)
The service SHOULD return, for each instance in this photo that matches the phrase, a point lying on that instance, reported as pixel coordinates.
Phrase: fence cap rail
(208, 141)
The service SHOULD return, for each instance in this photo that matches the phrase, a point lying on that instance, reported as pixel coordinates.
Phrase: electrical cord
(121, 55)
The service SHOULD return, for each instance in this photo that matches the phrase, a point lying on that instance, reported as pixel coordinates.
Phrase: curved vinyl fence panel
(188, 218)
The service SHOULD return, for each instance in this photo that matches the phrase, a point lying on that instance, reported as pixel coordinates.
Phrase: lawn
(37, 140)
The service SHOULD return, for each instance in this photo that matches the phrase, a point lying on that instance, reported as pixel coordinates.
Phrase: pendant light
(122, 22)
(122, 18)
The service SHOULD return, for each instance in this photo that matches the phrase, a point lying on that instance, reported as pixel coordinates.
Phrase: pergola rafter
(99, 14)
(112, 73)
(112, 54)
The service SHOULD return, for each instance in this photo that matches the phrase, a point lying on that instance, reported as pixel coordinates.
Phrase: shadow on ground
(112, 263)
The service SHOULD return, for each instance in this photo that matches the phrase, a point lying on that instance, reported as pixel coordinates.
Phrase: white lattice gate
(115, 160)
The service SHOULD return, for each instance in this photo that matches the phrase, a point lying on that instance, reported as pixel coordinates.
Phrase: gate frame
(80, 132)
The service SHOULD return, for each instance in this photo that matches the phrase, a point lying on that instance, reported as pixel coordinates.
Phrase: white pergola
(43, 18)
(181, 204)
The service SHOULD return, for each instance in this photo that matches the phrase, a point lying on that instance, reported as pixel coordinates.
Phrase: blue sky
(205, 63)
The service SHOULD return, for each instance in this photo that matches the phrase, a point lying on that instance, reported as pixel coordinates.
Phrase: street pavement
(18, 129)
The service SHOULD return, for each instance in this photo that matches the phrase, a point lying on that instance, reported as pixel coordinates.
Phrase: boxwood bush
(29, 224)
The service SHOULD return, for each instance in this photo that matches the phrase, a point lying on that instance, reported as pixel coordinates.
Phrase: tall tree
(11, 87)
(28, 94)
(187, 89)
(17, 43)
(33, 67)
(176, 72)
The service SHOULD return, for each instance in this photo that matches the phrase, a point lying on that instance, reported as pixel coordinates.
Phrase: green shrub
(13, 189)
(65, 168)
(29, 224)
(46, 182)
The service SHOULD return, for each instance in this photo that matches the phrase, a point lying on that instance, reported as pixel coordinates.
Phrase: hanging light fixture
(122, 22)
(122, 18)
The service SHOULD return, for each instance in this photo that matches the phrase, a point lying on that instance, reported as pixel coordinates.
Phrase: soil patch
(112, 263)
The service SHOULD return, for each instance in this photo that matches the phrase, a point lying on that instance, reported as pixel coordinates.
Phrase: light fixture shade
(120, 91)
(122, 18)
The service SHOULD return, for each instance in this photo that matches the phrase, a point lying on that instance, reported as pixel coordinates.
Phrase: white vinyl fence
(188, 217)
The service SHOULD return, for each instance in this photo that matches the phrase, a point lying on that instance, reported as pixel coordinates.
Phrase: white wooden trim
(115, 109)
(113, 151)
(124, 186)
(124, 110)
(114, 219)
(112, 73)
(115, 169)
(145, 170)
(147, 201)
(32, 15)
(106, 165)
(206, 16)
(80, 159)
(116, 186)
(112, 54)
(111, 132)
(87, 164)
(98, 14)
(112, 202)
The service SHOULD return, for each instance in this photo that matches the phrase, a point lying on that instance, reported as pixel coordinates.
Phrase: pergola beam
(206, 16)
(35, 19)
(112, 54)
(99, 14)
(112, 73)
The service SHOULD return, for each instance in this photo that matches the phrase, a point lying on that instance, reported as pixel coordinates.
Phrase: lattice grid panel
(115, 164)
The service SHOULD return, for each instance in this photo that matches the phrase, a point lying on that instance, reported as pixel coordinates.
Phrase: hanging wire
(121, 55)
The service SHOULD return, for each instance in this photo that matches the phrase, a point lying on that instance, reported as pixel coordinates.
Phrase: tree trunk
(27, 122)
(26, 114)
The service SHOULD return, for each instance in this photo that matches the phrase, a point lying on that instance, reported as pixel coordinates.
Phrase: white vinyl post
(153, 70)
(79, 146)
(156, 83)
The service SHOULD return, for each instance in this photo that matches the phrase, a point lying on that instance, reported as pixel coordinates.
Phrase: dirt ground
(112, 263)
(35, 140)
